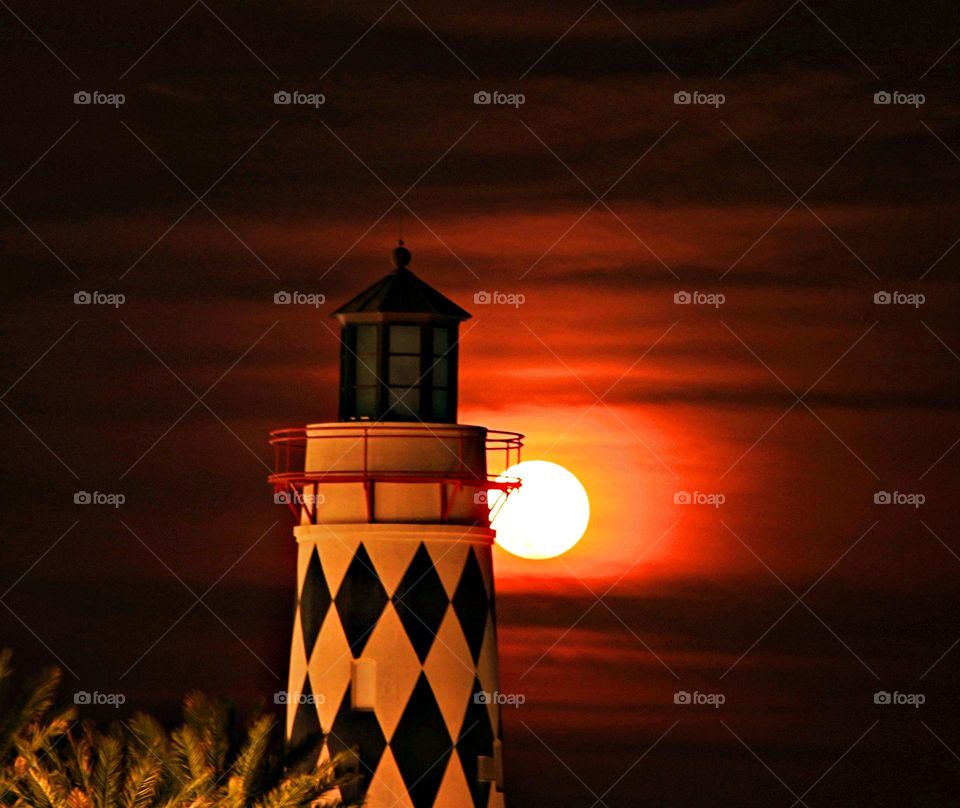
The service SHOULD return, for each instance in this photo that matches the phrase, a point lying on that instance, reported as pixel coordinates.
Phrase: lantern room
(398, 354)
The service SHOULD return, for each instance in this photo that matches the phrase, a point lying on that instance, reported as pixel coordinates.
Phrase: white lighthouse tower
(394, 651)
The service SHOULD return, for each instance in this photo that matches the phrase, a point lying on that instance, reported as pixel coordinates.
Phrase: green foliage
(49, 759)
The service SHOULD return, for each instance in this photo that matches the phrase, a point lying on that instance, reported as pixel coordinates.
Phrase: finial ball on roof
(401, 256)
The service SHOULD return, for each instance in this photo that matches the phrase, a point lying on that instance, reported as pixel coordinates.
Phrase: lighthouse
(394, 650)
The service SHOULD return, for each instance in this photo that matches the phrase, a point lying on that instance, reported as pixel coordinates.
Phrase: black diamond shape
(472, 605)
(360, 600)
(421, 602)
(306, 723)
(314, 601)
(421, 745)
(475, 739)
(357, 731)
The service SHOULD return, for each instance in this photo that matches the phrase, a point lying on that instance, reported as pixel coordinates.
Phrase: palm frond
(107, 777)
(48, 761)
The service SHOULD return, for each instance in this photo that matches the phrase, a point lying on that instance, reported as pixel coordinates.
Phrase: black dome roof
(402, 292)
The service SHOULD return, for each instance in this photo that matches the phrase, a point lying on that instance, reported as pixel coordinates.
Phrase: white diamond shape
(448, 560)
(330, 669)
(304, 551)
(488, 669)
(453, 788)
(298, 669)
(390, 558)
(485, 559)
(387, 789)
(450, 671)
(336, 553)
(397, 668)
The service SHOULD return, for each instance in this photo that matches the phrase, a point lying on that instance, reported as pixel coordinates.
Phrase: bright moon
(546, 516)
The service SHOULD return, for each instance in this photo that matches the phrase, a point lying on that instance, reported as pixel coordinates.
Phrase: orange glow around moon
(546, 516)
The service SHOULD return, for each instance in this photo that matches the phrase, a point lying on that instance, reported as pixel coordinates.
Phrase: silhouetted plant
(49, 759)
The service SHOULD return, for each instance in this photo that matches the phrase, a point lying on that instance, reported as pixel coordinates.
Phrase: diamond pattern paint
(485, 566)
(329, 669)
(448, 560)
(471, 604)
(422, 745)
(304, 552)
(421, 602)
(474, 739)
(305, 722)
(298, 666)
(358, 730)
(453, 789)
(419, 742)
(336, 552)
(360, 600)
(391, 560)
(314, 602)
(488, 672)
(451, 672)
(387, 790)
(397, 666)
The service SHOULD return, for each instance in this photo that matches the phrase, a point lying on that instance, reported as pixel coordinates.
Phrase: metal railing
(290, 453)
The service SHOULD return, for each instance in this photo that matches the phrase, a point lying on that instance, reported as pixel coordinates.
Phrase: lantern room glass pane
(366, 339)
(405, 339)
(441, 340)
(404, 370)
(366, 402)
(404, 402)
(440, 405)
(366, 370)
(441, 372)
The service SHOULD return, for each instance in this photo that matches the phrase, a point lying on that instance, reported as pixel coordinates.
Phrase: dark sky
(598, 199)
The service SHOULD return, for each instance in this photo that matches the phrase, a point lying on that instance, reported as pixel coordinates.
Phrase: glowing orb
(546, 516)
